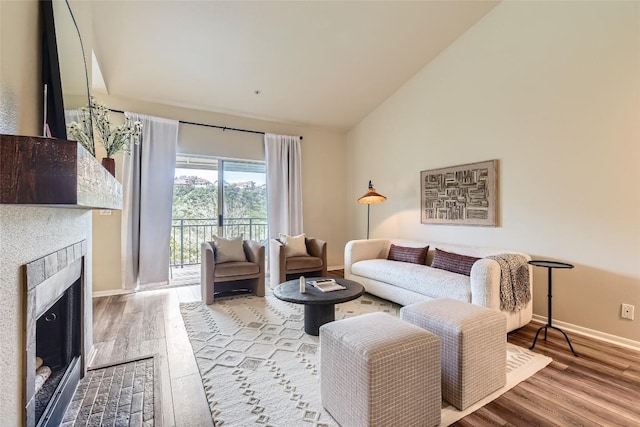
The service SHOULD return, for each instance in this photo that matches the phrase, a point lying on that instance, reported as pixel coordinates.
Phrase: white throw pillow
(294, 245)
(229, 250)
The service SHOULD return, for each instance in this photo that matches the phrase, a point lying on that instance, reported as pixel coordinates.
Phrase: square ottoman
(376, 370)
(474, 347)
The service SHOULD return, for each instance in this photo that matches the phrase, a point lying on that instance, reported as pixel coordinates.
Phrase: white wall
(20, 92)
(551, 90)
(323, 175)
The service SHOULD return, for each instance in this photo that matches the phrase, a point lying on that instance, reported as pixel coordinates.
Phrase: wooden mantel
(55, 173)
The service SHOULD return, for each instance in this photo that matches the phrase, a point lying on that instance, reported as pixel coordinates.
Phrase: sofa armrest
(359, 250)
(254, 252)
(207, 268)
(485, 283)
(277, 262)
(317, 248)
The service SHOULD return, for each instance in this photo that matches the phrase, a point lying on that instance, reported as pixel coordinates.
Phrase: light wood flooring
(599, 388)
(133, 325)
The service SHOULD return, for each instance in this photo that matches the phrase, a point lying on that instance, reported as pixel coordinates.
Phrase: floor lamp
(370, 198)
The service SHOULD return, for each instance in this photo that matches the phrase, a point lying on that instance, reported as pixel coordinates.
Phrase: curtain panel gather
(284, 184)
(148, 175)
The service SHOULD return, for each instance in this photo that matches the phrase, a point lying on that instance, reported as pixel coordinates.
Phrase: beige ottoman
(474, 347)
(376, 370)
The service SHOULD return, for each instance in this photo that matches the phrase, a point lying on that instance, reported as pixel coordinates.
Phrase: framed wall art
(460, 195)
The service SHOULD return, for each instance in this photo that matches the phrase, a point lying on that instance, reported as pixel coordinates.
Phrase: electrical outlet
(627, 311)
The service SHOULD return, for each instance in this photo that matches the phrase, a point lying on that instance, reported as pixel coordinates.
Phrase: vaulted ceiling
(319, 63)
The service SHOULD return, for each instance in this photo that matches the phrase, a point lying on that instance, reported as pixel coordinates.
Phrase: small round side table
(550, 265)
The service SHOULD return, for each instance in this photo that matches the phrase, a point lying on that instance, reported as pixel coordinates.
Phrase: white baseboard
(92, 354)
(591, 333)
(335, 267)
(111, 292)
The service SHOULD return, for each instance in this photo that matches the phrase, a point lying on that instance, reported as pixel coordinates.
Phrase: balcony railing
(188, 234)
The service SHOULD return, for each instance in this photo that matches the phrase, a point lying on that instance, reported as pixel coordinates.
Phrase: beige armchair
(282, 268)
(233, 275)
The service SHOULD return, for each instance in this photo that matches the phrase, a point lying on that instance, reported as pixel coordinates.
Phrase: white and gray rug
(258, 367)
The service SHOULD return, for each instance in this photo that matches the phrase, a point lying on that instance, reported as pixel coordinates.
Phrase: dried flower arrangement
(113, 140)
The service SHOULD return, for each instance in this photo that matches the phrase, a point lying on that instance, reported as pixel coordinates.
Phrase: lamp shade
(372, 196)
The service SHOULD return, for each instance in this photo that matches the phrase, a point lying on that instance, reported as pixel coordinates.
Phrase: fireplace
(55, 326)
(47, 189)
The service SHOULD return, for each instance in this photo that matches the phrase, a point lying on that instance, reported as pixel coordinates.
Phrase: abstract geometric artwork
(460, 195)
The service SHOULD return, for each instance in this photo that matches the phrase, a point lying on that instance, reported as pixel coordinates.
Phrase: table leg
(547, 326)
(537, 333)
(316, 315)
(567, 338)
(549, 307)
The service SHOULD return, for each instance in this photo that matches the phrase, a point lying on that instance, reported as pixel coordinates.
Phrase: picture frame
(460, 195)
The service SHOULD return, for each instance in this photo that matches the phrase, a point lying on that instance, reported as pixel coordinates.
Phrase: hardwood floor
(127, 326)
(601, 387)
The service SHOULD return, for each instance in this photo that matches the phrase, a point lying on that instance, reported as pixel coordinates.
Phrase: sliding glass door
(244, 200)
(216, 197)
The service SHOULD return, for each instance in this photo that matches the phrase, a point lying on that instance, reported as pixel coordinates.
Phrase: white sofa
(365, 261)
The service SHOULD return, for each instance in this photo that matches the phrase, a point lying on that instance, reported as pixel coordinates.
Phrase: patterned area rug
(258, 367)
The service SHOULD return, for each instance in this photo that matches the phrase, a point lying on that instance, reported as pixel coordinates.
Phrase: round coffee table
(319, 307)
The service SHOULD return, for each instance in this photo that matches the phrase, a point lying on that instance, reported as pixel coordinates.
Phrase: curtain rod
(207, 125)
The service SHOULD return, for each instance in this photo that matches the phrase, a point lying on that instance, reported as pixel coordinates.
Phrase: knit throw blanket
(514, 281)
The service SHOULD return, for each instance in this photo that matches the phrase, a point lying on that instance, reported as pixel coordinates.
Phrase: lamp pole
(368, 213)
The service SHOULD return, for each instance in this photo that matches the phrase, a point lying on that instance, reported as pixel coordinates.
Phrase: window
(216, 197)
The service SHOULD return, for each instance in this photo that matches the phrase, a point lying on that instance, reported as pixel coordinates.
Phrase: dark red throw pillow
(405, 254)
(453, 262)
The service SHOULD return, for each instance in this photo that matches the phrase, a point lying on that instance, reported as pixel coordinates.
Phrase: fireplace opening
(58, 350)
(55, 343)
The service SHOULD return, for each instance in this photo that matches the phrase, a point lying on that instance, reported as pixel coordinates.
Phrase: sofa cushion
(422, 279)
(407, 254)
(453, 262)
(229, 250)
(239, 268)
(294, 245)
(303, 263)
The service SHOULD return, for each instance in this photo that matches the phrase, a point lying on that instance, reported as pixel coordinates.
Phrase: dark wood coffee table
(319, 307)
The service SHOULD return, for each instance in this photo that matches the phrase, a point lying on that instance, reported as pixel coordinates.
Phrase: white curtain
(71, 116)
(148, 195)
(284, 184)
